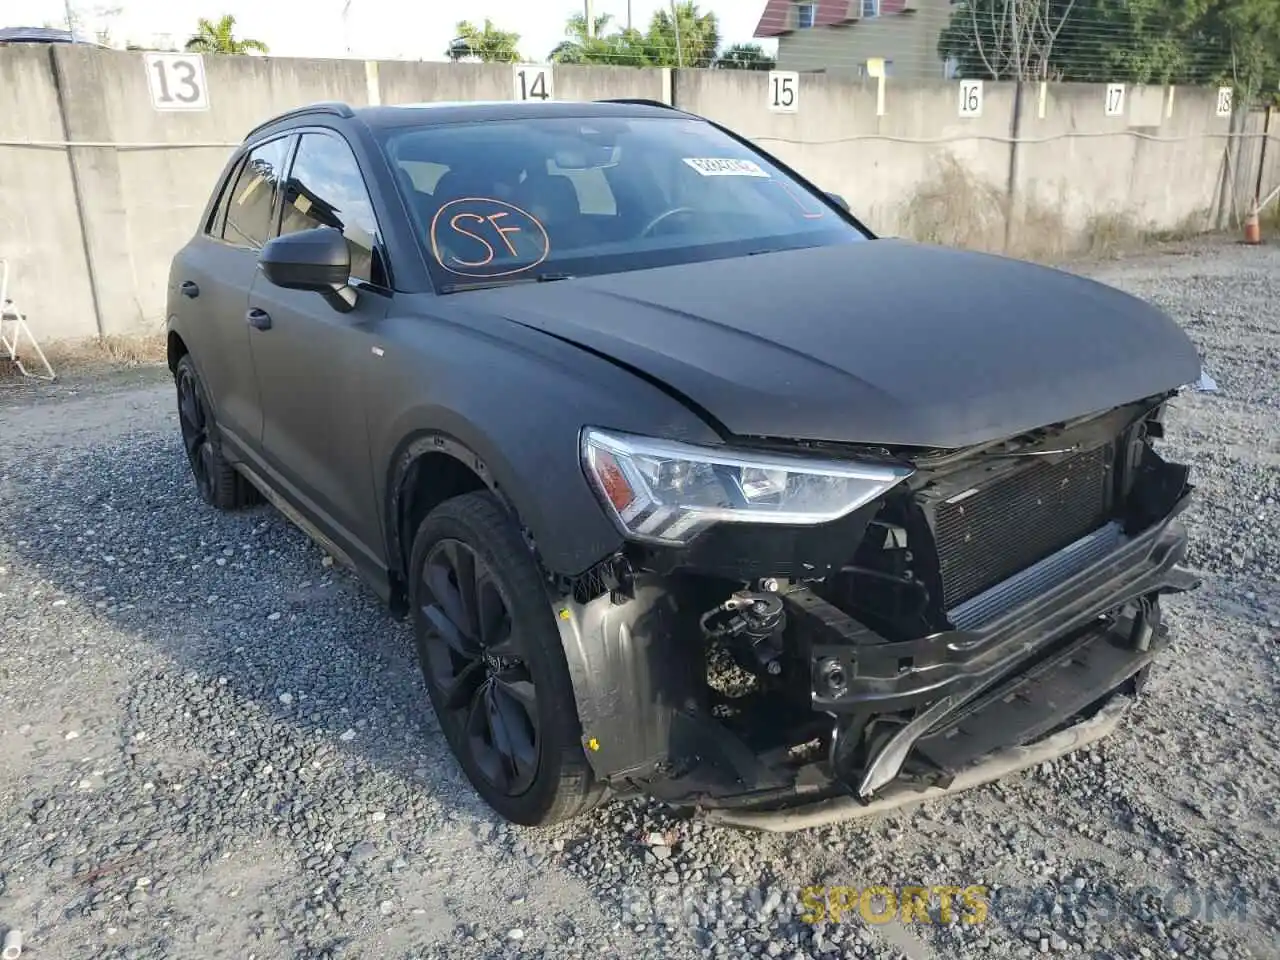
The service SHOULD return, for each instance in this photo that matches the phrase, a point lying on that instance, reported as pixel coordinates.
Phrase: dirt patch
(86, 365)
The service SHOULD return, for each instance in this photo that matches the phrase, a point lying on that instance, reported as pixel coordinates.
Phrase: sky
(389, 29)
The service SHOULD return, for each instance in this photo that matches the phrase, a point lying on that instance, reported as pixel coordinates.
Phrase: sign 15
(970, 98)
(533, 81)
(784, 91)
(177, 81)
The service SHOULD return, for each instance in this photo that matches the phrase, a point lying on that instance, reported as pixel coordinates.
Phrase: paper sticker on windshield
(483, 238)
(712, 167)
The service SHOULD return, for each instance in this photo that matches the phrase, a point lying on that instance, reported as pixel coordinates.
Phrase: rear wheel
(494, 665)
(217, 482)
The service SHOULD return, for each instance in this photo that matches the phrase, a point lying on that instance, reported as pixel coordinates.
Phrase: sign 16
(970, 98)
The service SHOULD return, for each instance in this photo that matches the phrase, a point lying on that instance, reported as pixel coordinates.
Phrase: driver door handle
(258, 319)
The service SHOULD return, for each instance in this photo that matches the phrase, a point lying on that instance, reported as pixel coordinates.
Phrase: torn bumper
(895, 721)
(872, 672)
(991, 768)
(971, 692)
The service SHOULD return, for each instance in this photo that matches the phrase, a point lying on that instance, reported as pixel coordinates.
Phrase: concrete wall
(40, 233)
(1156, 168)
(90, 228)
(876, 162)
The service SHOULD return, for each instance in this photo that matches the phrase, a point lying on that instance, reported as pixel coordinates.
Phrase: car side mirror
(838, 200)
(317, 260)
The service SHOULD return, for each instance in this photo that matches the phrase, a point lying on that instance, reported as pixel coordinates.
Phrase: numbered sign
(533, 81)
(970, 98)
(176, 81)
(1224, 101)
(1115, 100)
(784, 91)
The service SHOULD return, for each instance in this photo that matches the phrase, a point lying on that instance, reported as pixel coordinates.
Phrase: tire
(506, 683)
(217, 482)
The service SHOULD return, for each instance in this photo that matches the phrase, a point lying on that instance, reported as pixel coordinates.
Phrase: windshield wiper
(505, 282)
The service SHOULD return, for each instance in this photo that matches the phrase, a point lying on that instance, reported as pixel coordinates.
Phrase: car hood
(881, 342)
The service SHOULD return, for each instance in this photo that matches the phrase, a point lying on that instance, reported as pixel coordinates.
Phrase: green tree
(219, 37)
(746, 56)
(699, 41)
(487, 43)
(1133, 41)
(699, 35)
(1246, 34)
(583, 45)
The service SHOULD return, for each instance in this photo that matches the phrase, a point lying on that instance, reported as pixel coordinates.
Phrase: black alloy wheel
(495, 665)
(194, 421)
(217, 481)
(485, 685)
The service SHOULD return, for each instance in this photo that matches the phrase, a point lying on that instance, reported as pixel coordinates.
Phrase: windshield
(548, 198)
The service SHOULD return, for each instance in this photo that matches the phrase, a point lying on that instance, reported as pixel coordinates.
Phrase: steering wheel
(661, 217)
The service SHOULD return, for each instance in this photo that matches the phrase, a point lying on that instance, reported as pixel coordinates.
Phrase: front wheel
(494, 665)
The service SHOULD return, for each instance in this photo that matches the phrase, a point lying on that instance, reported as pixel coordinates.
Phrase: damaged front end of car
(850, 623)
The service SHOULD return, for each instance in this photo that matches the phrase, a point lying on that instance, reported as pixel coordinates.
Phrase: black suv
(691, 486)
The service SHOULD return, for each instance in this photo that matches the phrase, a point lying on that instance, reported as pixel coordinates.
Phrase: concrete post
(60, 91)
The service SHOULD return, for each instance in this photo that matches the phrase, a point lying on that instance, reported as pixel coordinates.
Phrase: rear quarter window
(218, 215)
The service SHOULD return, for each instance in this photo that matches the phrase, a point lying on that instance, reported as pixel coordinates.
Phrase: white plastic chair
(13, 327)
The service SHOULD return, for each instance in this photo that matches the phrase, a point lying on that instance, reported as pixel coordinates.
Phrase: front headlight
(669, 492)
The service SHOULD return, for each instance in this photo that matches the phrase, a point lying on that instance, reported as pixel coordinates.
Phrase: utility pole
(591, 20)
(675, 22)
(71, 18)
(628, 16)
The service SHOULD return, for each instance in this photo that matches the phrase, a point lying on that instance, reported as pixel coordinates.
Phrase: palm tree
(219, 37)
(699, 37)
(746, 56)
(581, 43)
(486, 43)
(622, 47)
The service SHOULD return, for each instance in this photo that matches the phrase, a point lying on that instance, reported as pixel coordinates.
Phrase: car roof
(446, 112)
(36, 35)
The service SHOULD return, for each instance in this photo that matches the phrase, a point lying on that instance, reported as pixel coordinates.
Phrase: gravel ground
(212, 743)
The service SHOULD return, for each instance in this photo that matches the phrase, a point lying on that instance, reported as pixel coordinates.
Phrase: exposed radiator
(1009, 524)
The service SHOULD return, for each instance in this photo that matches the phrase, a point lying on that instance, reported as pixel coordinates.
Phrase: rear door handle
(258, 319)
(190, 289)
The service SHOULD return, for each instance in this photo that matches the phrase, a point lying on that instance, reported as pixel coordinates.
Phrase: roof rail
(334, 108)
(640, 101)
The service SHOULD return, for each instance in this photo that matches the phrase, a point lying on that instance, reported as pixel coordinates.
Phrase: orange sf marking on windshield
(483, 222)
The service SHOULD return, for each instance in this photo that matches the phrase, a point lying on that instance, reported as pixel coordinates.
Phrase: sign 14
(533, 81)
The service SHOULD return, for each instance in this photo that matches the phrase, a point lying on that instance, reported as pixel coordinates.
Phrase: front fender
(510, 402)
(493, 470)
